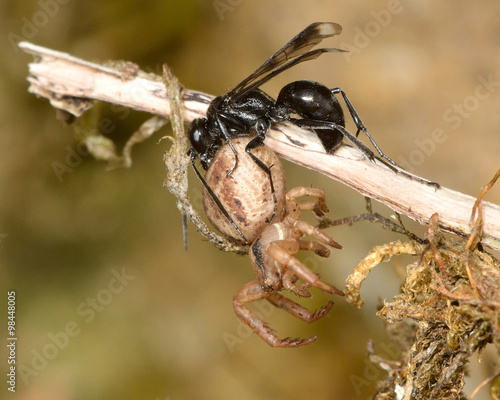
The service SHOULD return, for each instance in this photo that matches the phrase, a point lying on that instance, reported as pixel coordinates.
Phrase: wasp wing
(295, 51)
(305, 57)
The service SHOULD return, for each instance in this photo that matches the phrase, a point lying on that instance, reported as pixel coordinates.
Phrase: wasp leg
(254, 143)
(216, 200)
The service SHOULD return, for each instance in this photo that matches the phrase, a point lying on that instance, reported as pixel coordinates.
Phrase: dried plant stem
(69, 83)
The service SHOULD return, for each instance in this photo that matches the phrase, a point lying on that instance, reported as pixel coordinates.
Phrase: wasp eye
(197, 134)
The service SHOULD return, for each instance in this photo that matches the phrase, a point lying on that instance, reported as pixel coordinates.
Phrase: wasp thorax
(246, 194)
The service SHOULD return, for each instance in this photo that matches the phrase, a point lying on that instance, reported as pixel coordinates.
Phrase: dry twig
(72, 84)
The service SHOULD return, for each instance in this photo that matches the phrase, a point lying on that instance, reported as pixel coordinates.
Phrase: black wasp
(246, 110)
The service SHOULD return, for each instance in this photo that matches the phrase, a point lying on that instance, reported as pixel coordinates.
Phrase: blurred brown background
(166, 329)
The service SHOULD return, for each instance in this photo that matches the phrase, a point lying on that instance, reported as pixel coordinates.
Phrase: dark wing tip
(297, 50)
(325, 29)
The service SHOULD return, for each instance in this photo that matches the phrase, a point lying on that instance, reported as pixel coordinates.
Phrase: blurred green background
(166, 328)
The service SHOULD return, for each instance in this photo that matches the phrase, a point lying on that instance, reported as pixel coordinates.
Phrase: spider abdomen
(246, 194)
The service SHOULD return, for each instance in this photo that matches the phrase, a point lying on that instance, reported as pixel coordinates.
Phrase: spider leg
(289, 279)
(318, 248)
(253, 291)
(290, 262)
(297, 310)
(305, 228)
(318, 206)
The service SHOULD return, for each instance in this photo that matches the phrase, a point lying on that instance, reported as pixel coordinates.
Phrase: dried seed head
(246, 195)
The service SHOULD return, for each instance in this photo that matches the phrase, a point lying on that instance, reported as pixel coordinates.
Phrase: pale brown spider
(247, 199)
(273, 259)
